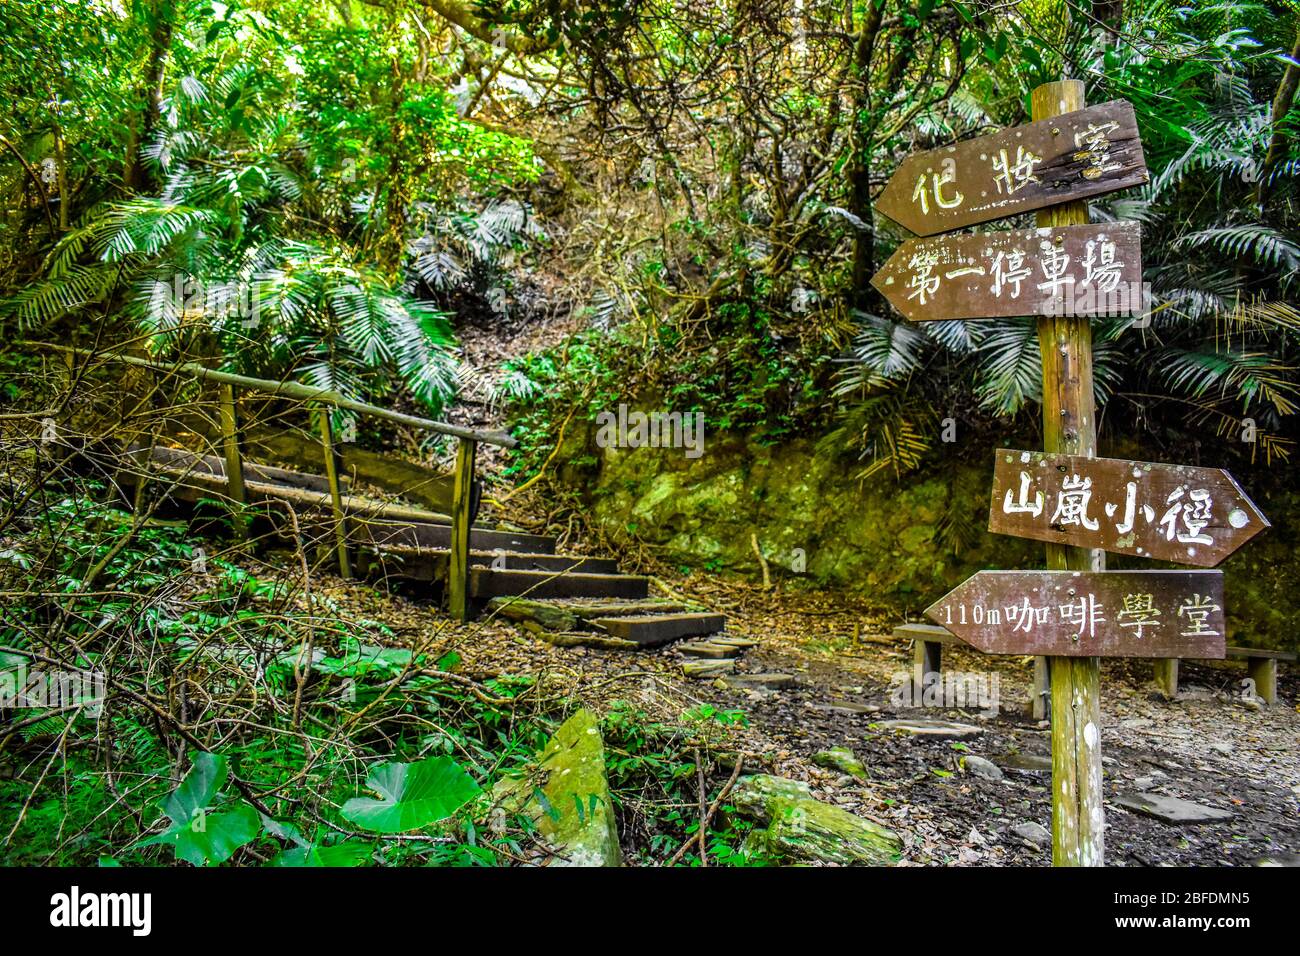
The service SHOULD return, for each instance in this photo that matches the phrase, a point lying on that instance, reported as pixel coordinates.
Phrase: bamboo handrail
(296, 390)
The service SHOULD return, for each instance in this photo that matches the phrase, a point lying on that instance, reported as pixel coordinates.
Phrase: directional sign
(1085, 153)
(1068, 270)
(1167, 512)
(1088, 613)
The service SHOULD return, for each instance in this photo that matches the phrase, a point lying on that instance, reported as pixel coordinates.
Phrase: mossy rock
(756, 794)
(803, 830)
(843, 760)
(575, 813)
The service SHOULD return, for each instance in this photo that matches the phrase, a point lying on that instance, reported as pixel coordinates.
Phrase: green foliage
(197, 836)
(412, 795)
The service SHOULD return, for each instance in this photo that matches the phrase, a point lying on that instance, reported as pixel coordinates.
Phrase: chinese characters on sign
(1177, 513)
(1069, 270)
(1088, 614)
(1085, 153)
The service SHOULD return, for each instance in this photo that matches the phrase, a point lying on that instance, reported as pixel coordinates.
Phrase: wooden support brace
(461, 516)
(336, 493)
(234, 459)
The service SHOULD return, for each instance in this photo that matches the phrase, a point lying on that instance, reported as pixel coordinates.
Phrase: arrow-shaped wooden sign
(1088, 614)
(1072, 156)
(1068, 270)
(1166, 512)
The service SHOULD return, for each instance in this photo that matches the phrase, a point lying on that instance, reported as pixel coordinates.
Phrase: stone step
(653, 629)
(708, 649)
(484, 582)
(705, 669)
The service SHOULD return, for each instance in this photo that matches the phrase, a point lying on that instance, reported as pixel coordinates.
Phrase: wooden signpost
(1076, 612)
(1088, 614)
(1073, 270)
(1177, 513)
(1081, 153)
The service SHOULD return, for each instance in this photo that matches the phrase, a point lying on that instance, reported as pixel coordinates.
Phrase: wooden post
(336, 494)
(1165, 674)
(458, 561)
(234, 460)
(1069, 426)
(927, 659)
(1040, 694)
(1263, 671)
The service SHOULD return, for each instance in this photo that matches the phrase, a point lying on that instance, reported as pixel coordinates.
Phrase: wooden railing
(228, 382)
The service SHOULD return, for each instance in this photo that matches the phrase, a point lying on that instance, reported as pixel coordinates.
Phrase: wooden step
(430, 536)
(424, 564)
(487, 583)
(653, 629)
(518, 561)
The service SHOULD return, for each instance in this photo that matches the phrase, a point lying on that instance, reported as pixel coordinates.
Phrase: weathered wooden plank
(1070, 156)
(1180, 513)
(1088, 614)
(1068, 270)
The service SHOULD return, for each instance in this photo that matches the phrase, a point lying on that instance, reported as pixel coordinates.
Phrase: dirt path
(1209, 746)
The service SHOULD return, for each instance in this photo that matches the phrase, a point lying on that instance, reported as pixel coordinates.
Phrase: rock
(704, 669)
(546, 616)
(803, 829)
(755, 794)
(760, 681)
(578, 820)
(918, 727)
(809, 830)
(1028, 763)
(1034, 833)
(1171, 809)
(985, 769)
(841, 759)
(852, 707)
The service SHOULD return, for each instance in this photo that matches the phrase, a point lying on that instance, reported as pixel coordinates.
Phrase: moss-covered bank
(889, 540)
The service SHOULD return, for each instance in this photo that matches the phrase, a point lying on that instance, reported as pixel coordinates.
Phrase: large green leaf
(197, 836)
(351, 853)
(414, 795)
(206, 776)
(214, 837)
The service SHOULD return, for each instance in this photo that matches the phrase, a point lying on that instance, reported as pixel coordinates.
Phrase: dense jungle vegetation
(679, 194)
